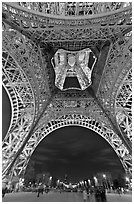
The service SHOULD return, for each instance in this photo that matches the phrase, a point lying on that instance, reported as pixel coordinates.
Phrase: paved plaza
(60, 197)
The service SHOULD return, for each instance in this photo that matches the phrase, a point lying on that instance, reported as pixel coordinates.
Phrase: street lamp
(96, 181)
(106, 184)
(127, 182)
(95, 178)
(127, 179)
(89, 182)
(58, 181)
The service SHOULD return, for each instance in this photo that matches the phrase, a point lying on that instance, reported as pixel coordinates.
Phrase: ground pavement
(60, 197)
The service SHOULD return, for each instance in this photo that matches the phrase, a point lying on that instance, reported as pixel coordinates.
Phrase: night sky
(76, 151)
(6, 112)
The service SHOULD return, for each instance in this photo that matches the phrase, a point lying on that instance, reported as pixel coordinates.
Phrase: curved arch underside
(69, 149)
(38, 107)
(71, 120)
(22, 104)
(6, 115)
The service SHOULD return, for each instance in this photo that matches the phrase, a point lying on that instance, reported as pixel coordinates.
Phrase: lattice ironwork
(82, 105)
(29, 57)
(118, 64)
(73, 69)
(73, 119)
(123, 106)
(74, 8)
(23, 107)
(49, 28)
(27, 54)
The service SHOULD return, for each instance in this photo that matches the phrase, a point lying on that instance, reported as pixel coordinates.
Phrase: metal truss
(69, 119)
(63, 112)
(118, 66)
(23, 107)
(74, 8)
(118, 63)
(28, 79)
(68, 64)
(123, 106)
(44, 28)
(28, 56)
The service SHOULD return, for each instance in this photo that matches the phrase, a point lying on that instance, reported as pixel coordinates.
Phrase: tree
(30, 173)
(121, 180)
(115, 183)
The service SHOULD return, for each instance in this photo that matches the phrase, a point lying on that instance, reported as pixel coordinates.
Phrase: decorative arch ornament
(70, 119)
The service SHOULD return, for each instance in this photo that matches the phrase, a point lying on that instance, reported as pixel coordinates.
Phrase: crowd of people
(96, 193)
(99, 194)
(41, 189)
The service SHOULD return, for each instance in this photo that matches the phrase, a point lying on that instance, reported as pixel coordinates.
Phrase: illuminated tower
(66, 64)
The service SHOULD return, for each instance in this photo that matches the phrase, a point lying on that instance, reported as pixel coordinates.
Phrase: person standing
(103, 194)
(97, 194)
(4, 189)
(39, 190)
(84, 195)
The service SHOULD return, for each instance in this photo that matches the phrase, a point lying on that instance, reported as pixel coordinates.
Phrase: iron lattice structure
(32, 34)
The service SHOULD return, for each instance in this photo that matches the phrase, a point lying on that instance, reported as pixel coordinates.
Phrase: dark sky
(76, 151)
(6, 112)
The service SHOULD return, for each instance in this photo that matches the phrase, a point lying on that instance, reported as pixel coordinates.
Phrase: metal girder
(45, 28)
(115, 126)
(73, 9)
(25, 140)
(123, 106)
(70, 118)
(29, 57)
(117, 67)
(23, 107)
(27, 70)
(20, 72)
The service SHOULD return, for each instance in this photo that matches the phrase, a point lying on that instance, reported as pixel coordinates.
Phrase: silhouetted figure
(119, 191)
(88, 194)
(97, 195)
(4, 190)
(91, 195)
(39, 190)
(103, 194)
(46, 189)
(85, 195)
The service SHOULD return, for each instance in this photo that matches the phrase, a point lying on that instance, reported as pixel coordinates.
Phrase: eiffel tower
(66, 63)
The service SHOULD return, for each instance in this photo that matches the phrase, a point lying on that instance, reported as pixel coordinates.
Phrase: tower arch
(108, 34)
(123, 106)
(73, 120)
(22, 102)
